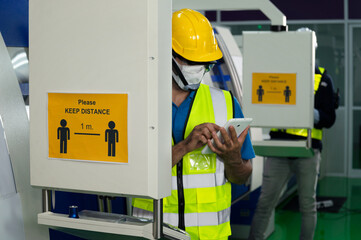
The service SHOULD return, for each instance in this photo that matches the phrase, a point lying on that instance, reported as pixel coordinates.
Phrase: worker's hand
(200, 135)
(230, 149)
(196, 139)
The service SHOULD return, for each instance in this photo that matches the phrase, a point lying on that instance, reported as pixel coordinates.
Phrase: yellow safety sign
(90, 127)
(274, 88)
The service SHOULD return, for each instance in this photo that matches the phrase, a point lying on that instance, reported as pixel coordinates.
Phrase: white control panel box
(100, 89)
(278, 77)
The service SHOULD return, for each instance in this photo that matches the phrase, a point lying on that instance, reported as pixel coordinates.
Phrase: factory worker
(200, 202)
(278, 170)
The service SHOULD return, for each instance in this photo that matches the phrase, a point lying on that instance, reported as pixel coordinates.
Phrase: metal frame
(158, 218)
(352, 172)
(46, 200)
(157, 213)
(236, 83)
(265, 6)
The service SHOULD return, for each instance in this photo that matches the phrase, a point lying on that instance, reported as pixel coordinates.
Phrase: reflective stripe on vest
(316, 133)
(212, 199)
(207, 194)
(201, 180)
(191, 219)
(318, 78)
(220, 230)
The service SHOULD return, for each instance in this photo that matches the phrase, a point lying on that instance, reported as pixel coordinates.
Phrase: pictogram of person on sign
(287, 94)
(63, 135)
(260, 93)
(111, 136)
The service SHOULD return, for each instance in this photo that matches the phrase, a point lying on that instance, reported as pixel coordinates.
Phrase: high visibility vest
(316, 133)
(201, 196)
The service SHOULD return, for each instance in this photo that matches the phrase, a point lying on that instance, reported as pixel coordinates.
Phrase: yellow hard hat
(193, 37)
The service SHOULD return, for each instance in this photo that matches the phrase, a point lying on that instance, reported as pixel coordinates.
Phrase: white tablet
(239, 125)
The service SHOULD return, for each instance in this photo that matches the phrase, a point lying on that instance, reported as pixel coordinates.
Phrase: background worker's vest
(201, 195)
(316, 133)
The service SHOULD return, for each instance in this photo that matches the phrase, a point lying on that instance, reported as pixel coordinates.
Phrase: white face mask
(193, 74)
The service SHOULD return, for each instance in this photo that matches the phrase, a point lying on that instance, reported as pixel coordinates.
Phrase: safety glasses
(208, 65)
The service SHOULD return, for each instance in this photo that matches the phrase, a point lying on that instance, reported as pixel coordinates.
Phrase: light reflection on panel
(19, 59)
(7, 183)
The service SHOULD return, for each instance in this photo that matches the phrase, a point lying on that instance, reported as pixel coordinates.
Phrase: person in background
(200, 201)
(278, 170)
